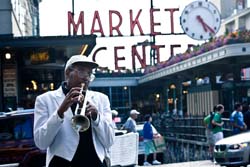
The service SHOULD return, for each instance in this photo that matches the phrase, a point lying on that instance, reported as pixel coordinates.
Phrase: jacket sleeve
(103, 124)
(45, 126)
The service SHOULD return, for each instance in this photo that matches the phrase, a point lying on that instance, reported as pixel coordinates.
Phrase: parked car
(141, 152)
(17, 146)
(233, 150)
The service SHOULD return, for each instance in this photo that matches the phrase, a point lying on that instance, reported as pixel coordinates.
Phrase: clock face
(200, 20)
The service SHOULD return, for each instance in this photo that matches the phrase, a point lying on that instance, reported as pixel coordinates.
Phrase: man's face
(239, 108)
(78, 74)
(134, 116)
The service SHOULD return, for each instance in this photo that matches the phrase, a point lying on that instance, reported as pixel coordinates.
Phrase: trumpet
(80, 122)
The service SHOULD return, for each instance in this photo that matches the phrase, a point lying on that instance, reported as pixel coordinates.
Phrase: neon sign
(135, 28)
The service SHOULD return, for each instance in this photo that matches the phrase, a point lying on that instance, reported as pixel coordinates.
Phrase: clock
(200, 20)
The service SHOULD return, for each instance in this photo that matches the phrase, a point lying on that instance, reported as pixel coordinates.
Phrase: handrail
(191, 129)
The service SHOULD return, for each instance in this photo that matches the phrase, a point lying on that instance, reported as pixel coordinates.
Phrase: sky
(54, 20)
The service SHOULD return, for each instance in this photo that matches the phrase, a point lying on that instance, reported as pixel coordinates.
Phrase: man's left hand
(91, 111)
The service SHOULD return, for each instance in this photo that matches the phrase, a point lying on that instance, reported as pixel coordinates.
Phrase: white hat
(80, 59)
(134, 112)
(114, 112)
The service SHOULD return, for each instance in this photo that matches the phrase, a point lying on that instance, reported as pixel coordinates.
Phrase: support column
(173, 91)
(1, 82)
(179, 97)
(166, 98)
(236, 79)
(212, 80)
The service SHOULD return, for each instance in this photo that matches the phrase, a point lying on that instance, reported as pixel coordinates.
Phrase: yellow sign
(39, 57)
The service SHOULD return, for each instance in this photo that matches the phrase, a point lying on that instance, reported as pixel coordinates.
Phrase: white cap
(134, 112)
(114, 112)
(80, 59)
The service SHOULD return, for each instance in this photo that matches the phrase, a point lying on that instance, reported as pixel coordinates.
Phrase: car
(17, 147)
(141, 152)
(233, 150)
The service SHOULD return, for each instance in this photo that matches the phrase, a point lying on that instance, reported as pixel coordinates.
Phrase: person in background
(114, 114)
(218, 123)
(53, 130)
(247, 117)
(148, 137)
(208, 131)
(237, 119)
(130, 124)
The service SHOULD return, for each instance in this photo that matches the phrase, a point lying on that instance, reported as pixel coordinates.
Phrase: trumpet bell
(80, 123)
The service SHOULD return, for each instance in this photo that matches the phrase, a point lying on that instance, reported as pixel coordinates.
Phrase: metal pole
(73, 13)
(152, 39)
(1, 83)
(73, 8)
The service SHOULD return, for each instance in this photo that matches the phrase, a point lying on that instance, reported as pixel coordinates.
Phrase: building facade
(19, 17)
(232, 7)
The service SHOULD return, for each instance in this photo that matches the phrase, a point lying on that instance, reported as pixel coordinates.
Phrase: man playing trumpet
(54, 111)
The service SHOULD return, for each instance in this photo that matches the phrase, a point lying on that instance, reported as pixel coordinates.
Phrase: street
(205, 163)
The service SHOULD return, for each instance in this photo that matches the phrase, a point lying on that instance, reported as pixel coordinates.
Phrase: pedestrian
(217, 123)
(237, 119)
(54, 110)
(114, 114)
(208, 131)
(148, 137)
(247, 117)
(130, 124)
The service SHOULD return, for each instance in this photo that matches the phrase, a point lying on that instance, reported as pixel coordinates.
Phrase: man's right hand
(70, 98)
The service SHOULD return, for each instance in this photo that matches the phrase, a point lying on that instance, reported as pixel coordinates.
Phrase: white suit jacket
(58, 136)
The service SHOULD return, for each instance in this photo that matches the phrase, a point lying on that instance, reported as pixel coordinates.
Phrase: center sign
(200, 20)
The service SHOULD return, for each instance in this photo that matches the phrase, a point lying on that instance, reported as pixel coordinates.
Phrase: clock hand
(209, 28)
(202, 22)
(204, 25)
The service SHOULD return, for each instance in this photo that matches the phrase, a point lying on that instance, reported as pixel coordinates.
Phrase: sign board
(9, 82)
(124, 151)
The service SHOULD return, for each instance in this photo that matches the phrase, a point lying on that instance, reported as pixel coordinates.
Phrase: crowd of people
(239, 121)
(67, 146)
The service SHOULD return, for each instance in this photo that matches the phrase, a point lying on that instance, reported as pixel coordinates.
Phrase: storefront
(33, 65)
(188, 87)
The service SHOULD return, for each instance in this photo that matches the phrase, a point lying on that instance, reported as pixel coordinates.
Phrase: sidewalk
(205, 163)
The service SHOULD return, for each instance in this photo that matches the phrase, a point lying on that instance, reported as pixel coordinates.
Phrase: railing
(188, 129)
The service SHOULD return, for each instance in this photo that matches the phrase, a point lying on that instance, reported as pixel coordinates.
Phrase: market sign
(114, 14)
(135, 27)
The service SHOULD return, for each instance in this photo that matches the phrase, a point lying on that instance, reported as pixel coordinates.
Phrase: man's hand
(70, 98)
(91, 111)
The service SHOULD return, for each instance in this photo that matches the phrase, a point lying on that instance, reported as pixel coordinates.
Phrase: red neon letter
(152, 23)
(172, 49)
(135, 22)
(172, 18)
(141, 60)
(190, 46)
(118, 58)
(95, 53)
(97, 17)
(75, 26)
(111, 27)
(157, 49)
